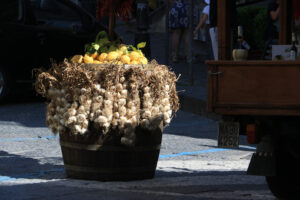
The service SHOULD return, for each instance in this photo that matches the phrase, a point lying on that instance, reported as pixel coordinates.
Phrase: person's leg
(175, 44)
(214, 41)
(209, 44)
(186, 37)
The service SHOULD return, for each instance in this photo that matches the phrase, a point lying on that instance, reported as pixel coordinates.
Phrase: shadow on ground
(66, 189)
(19, 167)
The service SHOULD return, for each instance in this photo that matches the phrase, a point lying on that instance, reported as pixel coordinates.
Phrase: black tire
(4, 83)
(284, 187)
(286, 183)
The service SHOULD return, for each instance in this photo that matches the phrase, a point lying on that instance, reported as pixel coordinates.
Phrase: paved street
(190, 165)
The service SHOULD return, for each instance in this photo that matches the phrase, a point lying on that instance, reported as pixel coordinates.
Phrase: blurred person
(179, 23)
(204, 19)
(213, 30)
(213, 23)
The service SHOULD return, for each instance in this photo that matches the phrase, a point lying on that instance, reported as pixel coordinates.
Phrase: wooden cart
(262, 100)
(265, 88)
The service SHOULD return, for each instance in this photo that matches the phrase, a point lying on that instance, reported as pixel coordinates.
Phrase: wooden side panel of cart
(254, 88)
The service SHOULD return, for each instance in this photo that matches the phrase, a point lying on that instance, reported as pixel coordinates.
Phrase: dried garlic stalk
(108, 97)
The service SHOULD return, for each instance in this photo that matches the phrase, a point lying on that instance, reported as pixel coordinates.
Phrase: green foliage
(102, 44)
(254, 22)
(141, 45)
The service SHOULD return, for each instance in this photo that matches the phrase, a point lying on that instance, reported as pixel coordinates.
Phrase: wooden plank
(224, 30)
(285, 21)
(210, 89)
(259, 85)
(254, 63)
(243, 88)
(258, 106)
(257, 112)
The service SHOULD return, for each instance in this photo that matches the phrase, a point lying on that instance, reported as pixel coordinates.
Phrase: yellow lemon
(134, 62)
(113, 55)
(94, 55)
(134, 55)
(87, 59)
(125, 59)
(144, 60)
(119, 63)
(97, 62)
(120, 53)
(123, 48)
(77, 59)
(102, 57)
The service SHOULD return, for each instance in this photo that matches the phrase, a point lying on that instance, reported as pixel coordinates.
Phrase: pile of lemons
(104, 51)
(119, 56)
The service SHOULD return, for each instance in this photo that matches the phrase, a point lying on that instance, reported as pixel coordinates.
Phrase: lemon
(113, 55)
(77, 59)
(94, 55)
(123, 47)
(144, 60)
(102, 57)
(134, 55)
(134, 62)
(120, 53)
(125, 59)
(96, 62)
(87, 59)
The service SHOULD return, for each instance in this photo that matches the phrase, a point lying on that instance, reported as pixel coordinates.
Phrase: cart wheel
(286, 183)
(284, 187)
(4, 84)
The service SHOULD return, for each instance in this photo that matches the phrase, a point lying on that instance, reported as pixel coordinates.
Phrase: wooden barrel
(87, 159)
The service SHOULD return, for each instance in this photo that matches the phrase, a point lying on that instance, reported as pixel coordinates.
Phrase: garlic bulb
(97, 103)
(165, 107)
(109, 99)
(78, 121)
(147, 104)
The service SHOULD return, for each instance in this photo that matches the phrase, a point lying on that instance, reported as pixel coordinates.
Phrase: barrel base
(110, 163)
(88, 157)
(124, 176)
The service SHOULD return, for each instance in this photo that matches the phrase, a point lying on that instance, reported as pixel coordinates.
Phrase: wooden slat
(257, 112)
(98, 147)
(224, 29)
(209, 91)
(110, 170)
(285, 21)
(253, 63)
